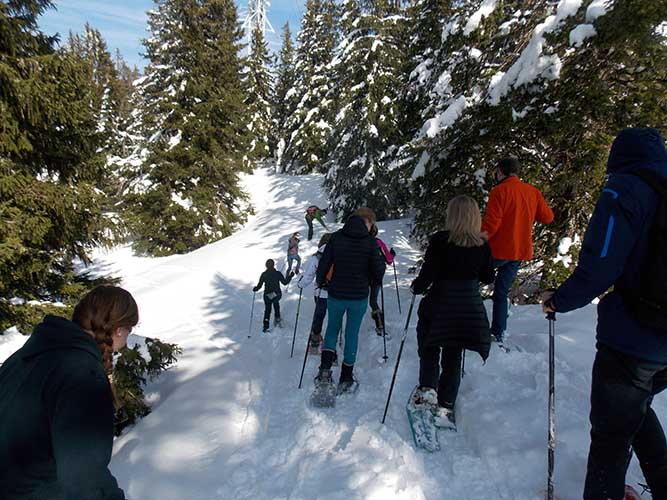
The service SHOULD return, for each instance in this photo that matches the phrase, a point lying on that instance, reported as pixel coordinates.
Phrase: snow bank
(10, 341)
(532, 64)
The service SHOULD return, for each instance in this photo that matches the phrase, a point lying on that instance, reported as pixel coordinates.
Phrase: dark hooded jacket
(356, 261)
(452, 314)
(271, 280)
(615, 246)
(56, 418)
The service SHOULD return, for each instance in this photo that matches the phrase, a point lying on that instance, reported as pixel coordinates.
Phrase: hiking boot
(377, 317)
(278, 322)
(323, 377)
(266, 326)
(314, 343)
(444, 418)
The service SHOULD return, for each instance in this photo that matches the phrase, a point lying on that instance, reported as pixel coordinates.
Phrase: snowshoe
(444, 418)
(420, 416)
(314, 344)
(631, 493)
(278, 322)
(324, 394)
(347, 387)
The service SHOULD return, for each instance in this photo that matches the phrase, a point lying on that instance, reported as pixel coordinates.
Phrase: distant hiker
(512, 209)
(315, 212)
(271, 280)
(621, 250)
(388, 255)
(349, 264)
(320, 295)
(293, 253)
(452, 316)
(57, 404)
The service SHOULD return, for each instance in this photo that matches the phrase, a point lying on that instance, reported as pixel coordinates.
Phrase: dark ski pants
(318, 316)
(373, 298)
(622, 420)
(447, 384)
(275, 301)
(310, 227)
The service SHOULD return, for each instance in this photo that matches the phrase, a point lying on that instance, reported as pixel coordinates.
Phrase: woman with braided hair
(57, 404)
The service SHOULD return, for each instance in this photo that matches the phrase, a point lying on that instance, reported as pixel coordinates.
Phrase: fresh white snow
(228, 421)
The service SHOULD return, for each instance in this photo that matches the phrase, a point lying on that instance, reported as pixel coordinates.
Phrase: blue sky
(123, 22)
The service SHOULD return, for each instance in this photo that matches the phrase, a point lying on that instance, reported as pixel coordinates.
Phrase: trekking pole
(463, 364)
(398, 297)
(305, 358)
(252, 312)
(296, 323)
(398, 358)
(552, 417)
(384, 329)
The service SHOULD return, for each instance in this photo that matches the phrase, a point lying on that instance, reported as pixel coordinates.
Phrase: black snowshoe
(324, 395)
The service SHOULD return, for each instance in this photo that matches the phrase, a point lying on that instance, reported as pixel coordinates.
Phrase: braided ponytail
(101, 311)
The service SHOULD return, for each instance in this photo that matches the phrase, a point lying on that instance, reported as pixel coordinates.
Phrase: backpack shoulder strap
(656, 182)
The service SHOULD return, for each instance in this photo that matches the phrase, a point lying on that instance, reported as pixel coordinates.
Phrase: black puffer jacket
(356, 262)
(56, 418)
(452, 313)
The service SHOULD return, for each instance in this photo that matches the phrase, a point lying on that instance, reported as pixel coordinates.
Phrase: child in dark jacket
(452, 316)
(271, 280)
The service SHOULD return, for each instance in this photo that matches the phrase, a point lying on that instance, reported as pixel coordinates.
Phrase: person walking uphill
(350, 262)
(321, 295)
(293, 253)
(512, 209)
(271, 280)
(630, 365)
(388, 255)
(57, 405)
(452, 316)
(315, 212)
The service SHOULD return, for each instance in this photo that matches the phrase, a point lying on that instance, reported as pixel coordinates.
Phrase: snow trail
(230, 423)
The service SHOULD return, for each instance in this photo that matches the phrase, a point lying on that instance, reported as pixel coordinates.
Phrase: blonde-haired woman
(452, 316)
(56, 403)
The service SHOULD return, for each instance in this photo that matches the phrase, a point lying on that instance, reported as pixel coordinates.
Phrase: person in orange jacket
(512, 209)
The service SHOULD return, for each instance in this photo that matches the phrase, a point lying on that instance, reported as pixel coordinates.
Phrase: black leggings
(449, 379)
(267, 308)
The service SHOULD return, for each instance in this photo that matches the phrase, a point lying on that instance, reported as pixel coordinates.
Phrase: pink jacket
(388, 257)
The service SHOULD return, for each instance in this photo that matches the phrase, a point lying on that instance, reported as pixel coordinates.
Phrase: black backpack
(649, 303)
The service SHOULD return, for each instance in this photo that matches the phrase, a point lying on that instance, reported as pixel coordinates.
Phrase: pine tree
(259, 96)
(552, 86)
(49, 161)
(308, 129)
(184, 191)
(369, 68)
(284, 102)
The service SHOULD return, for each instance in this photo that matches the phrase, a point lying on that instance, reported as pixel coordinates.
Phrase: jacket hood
(638, 148)
(56, 333)
(355, 227)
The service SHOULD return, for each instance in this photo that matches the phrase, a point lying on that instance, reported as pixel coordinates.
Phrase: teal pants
(336, 309)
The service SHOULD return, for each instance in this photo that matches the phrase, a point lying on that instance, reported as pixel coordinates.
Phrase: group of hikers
(56, 402)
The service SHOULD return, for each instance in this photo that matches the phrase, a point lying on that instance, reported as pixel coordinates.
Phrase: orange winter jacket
(512, 208)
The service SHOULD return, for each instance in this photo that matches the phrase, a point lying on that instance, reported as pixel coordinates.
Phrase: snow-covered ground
(230, 423)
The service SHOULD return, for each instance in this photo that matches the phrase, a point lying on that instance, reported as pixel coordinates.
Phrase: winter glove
(392, 251)
(255, 289)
